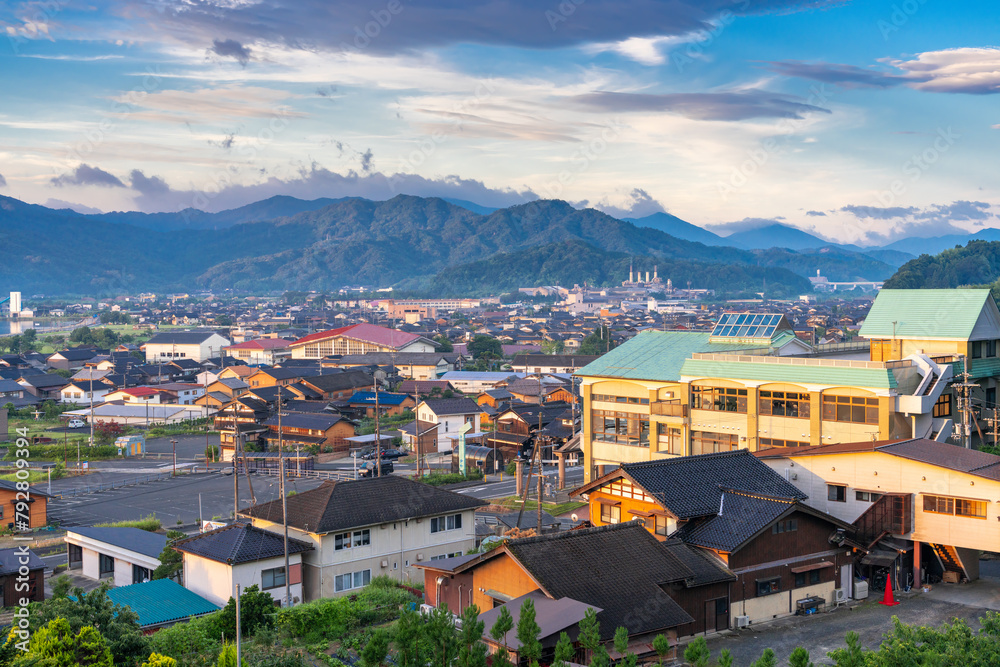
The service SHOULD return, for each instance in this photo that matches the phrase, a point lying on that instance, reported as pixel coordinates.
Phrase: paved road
(169, 498)
(574, 478)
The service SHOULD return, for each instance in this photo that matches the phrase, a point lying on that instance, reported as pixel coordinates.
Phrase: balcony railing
(668, 409)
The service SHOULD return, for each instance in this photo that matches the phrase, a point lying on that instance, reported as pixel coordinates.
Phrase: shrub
(148, 523)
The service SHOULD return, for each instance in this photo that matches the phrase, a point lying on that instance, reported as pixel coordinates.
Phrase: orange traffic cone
(888, 600)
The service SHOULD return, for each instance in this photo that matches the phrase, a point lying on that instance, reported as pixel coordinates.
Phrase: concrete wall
(208, 578)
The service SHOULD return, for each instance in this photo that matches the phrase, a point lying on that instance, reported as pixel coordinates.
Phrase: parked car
(227, 471)
(370, 469)
(76, 423)
(387, 455)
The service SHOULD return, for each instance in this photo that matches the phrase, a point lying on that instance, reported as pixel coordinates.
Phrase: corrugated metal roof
(925, 313)
(161, 601)
(880, 378)
(655, 355)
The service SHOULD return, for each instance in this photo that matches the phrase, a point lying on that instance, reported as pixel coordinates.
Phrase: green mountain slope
(977, 263)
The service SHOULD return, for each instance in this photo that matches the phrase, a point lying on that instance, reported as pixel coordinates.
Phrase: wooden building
(12, 582)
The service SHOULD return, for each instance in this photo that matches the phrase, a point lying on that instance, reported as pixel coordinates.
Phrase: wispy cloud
(726, 106)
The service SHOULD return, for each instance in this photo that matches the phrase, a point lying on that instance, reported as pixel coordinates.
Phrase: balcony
(668, 409)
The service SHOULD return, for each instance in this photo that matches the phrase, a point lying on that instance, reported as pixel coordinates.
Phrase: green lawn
(555, 509)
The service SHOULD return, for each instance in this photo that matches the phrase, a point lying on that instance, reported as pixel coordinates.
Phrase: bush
(439, 479)
(149, 523)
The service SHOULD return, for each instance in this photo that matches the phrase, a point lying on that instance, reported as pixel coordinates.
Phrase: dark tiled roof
(45, 380)
(10, 561)
(705, 568)
(741, 518)
(690, 486)
(79, 354)
(239, 543)
(337, 506)
(617, 568)
(453, 406)
(133, 539)
(340, 381)
(310, 420)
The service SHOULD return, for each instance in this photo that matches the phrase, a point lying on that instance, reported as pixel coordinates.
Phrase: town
(736, 467)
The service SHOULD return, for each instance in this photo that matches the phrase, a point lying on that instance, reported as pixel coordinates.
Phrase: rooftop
(930, 314)
(161, 602)
(238, 543)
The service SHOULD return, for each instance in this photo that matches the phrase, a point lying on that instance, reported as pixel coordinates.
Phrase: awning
(813, 566)
(880, 558)
(608, 501)
(640, 513)
(497, 595)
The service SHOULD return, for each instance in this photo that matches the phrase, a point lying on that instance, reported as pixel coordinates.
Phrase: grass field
(555, 509)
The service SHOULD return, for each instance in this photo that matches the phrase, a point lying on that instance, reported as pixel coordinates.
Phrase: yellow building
(750, 383)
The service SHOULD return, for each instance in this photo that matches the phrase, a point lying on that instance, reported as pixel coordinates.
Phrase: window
(784, 404)
(977, 349)
(611, 513)
(814, 576)
(140, 574)
(703, 442)
(608, 398)
(836, 493)
(866, 496)
(345, 582)
(853, 409)
(106, 565)
(719, 399)
(800, 579)
(272, 578)
(670, 439)
(439, 524)
(359, 538)
(622, 427)
(789, 526)
(942, 406)
(766, 443)
(975, 509)
(768, 586)
(660, 525)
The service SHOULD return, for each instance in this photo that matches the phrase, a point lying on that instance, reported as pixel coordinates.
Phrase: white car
(76, 423)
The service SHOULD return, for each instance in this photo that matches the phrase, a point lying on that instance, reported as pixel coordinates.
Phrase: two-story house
(261, 351)
(327, 431)
(196, 345)
(369, 527)
(439, 420)
(85, 392)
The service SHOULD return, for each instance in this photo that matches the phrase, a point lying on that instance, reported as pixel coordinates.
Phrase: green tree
(157, 660)
(171, 560)
(697, 652)
(766, 659)
(472, 651)
(726, 658)
(590, 632)
(376, 650)
(439, 631)
(61, 586)
(443, 343)
(629, 659)
(527, 633)
(564, 652)
(503, 625)
(227, 656)
(483, 346)
(598, 342)
(662, 647)
(799, 658)
(256, 613)
(409, 639)
(553, 347)
(853, 655)
(56, 644)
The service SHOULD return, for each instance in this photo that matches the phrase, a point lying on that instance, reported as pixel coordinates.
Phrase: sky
(862, 121)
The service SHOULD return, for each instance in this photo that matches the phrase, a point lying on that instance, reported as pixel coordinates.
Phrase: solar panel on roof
(746, 325)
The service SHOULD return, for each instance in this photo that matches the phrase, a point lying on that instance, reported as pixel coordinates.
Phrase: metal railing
(340, 475)
(802, 361)
(668, 409)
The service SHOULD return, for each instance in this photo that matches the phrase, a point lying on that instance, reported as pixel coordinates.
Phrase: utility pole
(284, 502)
(378, 435)
(239, 639)
(236, 474)
(964, 396)
(173, 444)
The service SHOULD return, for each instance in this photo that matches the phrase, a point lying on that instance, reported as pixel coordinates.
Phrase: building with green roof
(751, 383)
(161, 602)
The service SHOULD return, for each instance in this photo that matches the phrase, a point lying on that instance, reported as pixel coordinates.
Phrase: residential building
(358, 339)
(475, 382)
(674, 393)
(328, 432)
(410, 365)
(939, 496)
(362, 529)
(437, 420)
(44, 386)
(218, 561)
(125, 555)
(339, 386)
(261, 351)
(135, 395)
(11, 496)
(85, 392)
(71, 360)
(389, 404)
(195, 345)
(22, 577)
(550, 363)
(16, 394)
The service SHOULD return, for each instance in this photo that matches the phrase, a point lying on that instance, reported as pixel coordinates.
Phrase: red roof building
(261, 351)
(358, 339)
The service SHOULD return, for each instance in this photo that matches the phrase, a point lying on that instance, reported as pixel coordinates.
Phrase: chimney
(654, 272)
(647, 276)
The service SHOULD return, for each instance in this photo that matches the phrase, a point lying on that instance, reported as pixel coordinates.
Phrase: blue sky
(860, 121)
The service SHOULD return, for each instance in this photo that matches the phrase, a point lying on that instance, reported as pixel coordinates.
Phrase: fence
(340, 475)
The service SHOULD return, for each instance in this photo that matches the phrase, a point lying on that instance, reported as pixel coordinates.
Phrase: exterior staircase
(950, 560)
(889, 515)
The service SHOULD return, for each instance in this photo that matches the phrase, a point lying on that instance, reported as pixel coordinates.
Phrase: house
(540, 390)
(16, 394)
(22, 577)
(85, 392)
(261, 351)
(410, 365)
(439, 418)
(369, 527)
(328, 432)
(274, 377)
(243, 418)
(519, 426)
(161, 603)
(217, 561)
(135, 395)
(389, 404)
(550, 363)
(417, 387)
(182, 393)
(665, 588)
(474, 382)
(742, 512)
(11, 514)
(936, 496)
(44, 386)
(126, 555)
(751, 383)
(358, 339)
(339, 386)
(196, 345)
(70, 360)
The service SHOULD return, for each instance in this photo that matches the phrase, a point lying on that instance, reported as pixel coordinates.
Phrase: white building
(124, 555)
(196, 345)
(475, 382)
(240, 554)
(85, 392)
(440, 420)
(15, 303)
(370, 527)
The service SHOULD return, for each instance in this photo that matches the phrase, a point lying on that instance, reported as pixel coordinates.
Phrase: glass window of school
(719, 399)
(624, 428)
(784, 404)
(704, 442)
(853, 409)
(942, 406)
(670, 439)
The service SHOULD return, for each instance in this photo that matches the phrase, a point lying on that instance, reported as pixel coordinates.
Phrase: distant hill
(976, 263)
(895, 258)
(574, 262)
(470, 205)
(935, 244)
(774, 236)
(833, 263)
(678, 228)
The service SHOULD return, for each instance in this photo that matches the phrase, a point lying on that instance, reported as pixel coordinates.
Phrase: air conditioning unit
(420, 557)
(839, 595)
(385, 563)
(426, 609)
(742, 621)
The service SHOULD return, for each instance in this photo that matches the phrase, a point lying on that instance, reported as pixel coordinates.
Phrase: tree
(662, 647)
(61, 586)
(564, 651)
(697, 652)
(726, 658)
(157, 660)
(256, 612)
(853, 655)
(472, 651)
(105, 433)
(443, 343)
(766, 659)
(171, 560)
(440, 634)
(56, 644)
(377, 648)
(590, 631)
(227, 656)
(553, 347)
(527, 633)
(629, 659)
(498, 633)
(483, 346)
(799, 658)
(410, 647)
(598, 342)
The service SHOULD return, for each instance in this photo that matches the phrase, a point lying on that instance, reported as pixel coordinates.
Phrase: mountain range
(410, 242)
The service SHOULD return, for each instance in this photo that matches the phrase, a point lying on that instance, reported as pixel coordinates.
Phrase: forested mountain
(976, 263)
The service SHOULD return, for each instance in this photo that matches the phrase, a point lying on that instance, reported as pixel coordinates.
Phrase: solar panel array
(746, 325)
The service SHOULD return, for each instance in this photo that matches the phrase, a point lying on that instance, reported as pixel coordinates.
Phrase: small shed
(486, 459)
(161, 602)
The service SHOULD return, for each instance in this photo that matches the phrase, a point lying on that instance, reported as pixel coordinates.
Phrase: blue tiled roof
(383, 398)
